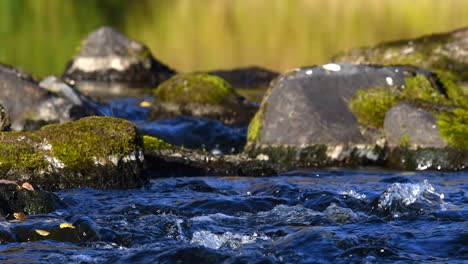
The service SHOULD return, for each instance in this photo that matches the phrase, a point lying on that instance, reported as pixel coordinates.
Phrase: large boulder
(201, 95)
(31, 106)
(334, 114)
(444, 51)
(107, 55)
(98, 152)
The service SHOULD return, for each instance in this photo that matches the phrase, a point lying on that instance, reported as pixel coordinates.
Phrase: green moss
(194, 88)
(17, 152)
(370, 105)
(405, 141)
(420, 87)
(255, 126)
(457, 96)
(453, 127)
(76, 144)
(153, 143)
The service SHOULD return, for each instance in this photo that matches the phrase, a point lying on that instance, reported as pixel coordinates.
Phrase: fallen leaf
(42, 232)
(27, 186)
(20, 216)
(145, 104)
(67, 225)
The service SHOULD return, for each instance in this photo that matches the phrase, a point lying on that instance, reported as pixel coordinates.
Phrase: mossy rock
(439, 94)
(444, 51)
(333, 115)
(99, 152)
(200, 94)
(195, 88)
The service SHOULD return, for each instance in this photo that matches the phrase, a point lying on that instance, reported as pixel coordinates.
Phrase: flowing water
(297, 217)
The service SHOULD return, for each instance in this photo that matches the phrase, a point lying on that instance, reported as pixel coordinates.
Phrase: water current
(297, 217)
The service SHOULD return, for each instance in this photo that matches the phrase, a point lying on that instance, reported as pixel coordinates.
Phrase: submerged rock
(201, 95)
(334, 114)
(16, 199)
(247, 78)
(165, 160)
(31, 106)
(97, 152)
(4, 119)
(107, 55)
(444, 51)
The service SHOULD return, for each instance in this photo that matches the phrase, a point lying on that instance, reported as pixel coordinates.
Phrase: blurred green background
(40, 36)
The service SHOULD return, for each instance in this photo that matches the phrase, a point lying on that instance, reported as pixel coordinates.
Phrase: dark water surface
(298, 217)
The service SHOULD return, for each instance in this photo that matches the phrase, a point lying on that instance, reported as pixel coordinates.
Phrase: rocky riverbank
(394, 106)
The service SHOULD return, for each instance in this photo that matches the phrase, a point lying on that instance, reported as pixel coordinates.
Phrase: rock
(165, 160)
(31, 106)
(4, 119)
(445, 51)
(84, 106)
(201, 95)
(247, 78)
(107, 55)
(15, 199)
(97, 152)
(409, 126)
(333, 115)
(311, 104)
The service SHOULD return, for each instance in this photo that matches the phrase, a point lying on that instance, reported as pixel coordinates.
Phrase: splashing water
(228, 239)
(399, 197)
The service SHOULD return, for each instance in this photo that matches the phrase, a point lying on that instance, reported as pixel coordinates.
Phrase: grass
(41, 35)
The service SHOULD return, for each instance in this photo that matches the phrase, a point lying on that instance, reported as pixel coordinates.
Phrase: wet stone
(30, 106)
(15, 199)
(409, 126)
(107, 55)
(249, 77)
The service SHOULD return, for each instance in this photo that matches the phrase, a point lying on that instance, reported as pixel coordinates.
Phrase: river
(313, 216)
